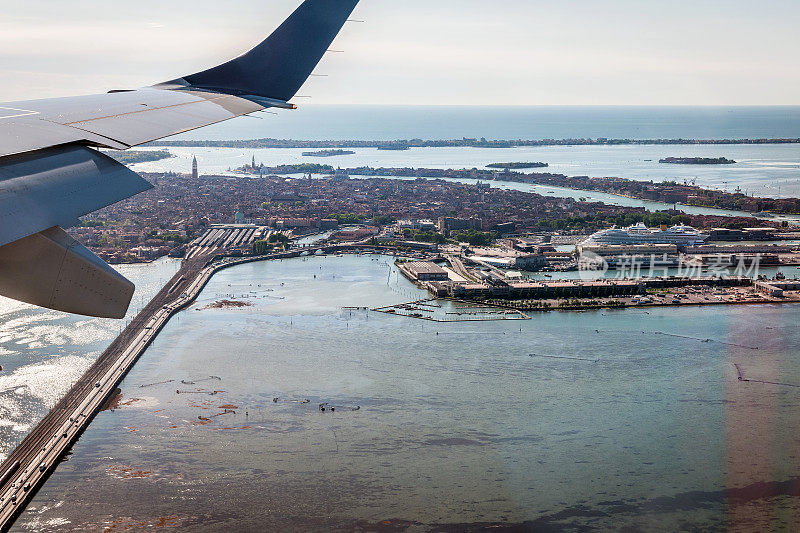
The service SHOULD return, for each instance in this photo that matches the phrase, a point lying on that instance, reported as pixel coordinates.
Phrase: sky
(431, 52)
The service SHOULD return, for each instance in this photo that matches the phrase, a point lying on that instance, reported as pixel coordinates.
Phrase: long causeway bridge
(31, 463)
(28, 466)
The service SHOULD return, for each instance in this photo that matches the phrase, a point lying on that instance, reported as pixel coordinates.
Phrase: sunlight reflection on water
(43, 352)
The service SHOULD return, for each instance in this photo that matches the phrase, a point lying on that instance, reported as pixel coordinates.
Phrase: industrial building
(446, 224)
(776, 288)
(529, 262)
(426, 271)
(612, 250)
(739, 249)
(745, 234)
(739, 259)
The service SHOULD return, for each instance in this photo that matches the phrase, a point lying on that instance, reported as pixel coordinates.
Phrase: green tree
(383, 220)
(347, 218)
(278, 238)
(475, 238)
(260, 247)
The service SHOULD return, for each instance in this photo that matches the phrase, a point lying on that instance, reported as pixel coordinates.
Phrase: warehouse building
(426, 271)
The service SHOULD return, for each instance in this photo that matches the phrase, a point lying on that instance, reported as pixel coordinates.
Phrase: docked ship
(641, 234)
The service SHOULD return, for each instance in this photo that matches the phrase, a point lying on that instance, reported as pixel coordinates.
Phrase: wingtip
(281, 64)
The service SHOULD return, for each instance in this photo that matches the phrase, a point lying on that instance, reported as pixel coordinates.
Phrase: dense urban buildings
(179, 207)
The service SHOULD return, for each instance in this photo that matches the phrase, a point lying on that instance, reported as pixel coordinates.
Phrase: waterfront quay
(459, 282)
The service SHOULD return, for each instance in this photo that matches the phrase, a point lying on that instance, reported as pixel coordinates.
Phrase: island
(517, 166)
(668, 191)
(297, 168)
(697, 161)
(328, 153)
(399, 146)
(131, 157)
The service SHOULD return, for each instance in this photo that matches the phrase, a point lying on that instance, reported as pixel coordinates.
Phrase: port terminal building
(776, 288)
(613, 250)
(425, 271)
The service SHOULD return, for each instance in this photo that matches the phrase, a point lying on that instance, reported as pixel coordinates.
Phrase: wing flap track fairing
(55, 187)
(51, 269)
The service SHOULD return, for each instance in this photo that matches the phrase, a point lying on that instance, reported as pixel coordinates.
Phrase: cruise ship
(641, 234)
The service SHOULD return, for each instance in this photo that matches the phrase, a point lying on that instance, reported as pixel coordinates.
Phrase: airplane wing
(51, 173)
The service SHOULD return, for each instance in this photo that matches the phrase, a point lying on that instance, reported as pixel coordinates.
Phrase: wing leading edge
(50, 176)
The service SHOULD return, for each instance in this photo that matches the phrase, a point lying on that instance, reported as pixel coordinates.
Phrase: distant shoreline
(697, 161)
(327, 153)
(457, 143)
(669, 192)
(132, 157)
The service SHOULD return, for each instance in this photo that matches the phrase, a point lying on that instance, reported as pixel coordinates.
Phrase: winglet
(278, 67)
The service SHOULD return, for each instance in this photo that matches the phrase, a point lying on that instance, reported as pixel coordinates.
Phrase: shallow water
(479, 423)
(44, 352)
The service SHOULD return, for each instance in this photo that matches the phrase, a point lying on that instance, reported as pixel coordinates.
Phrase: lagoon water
(764, 170)
(771, 171)
(458, 423)
(44, 352)
(438, 425)
(337, 122)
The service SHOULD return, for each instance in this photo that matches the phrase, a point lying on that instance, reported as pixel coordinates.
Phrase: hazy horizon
(464, 52)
